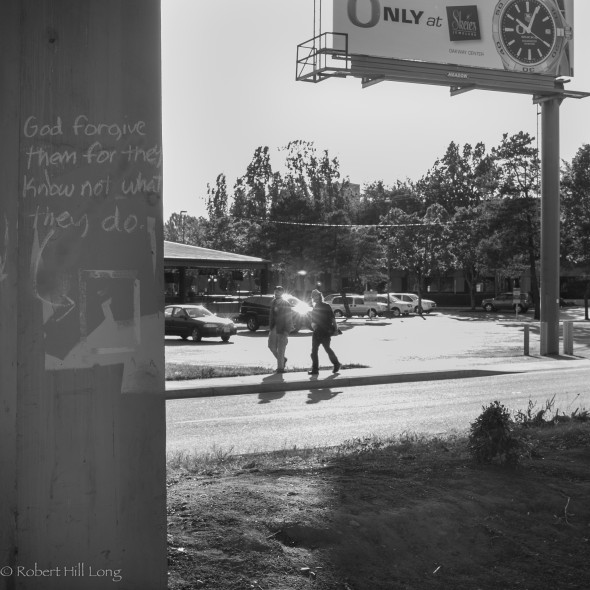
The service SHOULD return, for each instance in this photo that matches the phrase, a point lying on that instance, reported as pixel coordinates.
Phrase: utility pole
(550, 226)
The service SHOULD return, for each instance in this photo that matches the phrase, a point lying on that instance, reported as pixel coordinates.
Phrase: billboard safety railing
(318, 58)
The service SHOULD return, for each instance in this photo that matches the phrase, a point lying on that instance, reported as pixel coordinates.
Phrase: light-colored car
(427, 304)
(357, 306)
(394, 305)
(328, 298)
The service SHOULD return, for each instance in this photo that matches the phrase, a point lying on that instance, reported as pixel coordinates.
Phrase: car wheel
(337, 313)
(395, 312)
(196, 335)
(489, 307)
(418, 309)
(252, 324)
(225, 337)
(518, 308)
(372, 313)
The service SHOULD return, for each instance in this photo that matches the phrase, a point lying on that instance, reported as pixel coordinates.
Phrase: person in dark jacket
(281, 323)
(323, 324)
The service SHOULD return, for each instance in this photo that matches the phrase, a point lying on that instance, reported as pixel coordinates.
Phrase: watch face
(527, 31)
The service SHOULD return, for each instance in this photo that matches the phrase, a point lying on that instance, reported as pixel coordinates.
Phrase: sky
(228, 87)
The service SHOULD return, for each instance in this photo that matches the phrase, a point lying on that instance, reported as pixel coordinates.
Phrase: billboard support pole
(550, 226)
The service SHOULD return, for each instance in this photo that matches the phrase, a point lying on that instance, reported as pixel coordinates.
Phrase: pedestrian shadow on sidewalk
(267, 397)
(321, 395)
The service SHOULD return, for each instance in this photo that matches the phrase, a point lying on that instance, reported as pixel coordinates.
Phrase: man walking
(281, 323)
(323, 324)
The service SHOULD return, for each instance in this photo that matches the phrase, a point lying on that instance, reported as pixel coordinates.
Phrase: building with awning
(196, 274)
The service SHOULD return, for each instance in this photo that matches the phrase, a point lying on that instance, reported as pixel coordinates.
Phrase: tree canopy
(474, 210)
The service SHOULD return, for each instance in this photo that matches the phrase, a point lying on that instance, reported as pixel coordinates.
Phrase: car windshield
(198, 312)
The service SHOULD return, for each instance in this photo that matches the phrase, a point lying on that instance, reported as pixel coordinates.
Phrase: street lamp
(182, 214)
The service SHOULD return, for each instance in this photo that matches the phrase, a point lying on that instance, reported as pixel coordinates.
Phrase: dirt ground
(371, 517)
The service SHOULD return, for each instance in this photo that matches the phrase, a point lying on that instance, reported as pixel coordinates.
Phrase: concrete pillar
(9, 160)
(550, 227)
(82, 417)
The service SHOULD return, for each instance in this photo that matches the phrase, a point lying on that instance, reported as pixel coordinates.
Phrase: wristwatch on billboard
(530, 35)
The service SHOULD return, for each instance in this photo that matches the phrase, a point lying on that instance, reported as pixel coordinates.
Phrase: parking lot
(380, 343)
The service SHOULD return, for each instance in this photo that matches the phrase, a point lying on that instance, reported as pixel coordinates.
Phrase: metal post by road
(568, 338)
(550, 227)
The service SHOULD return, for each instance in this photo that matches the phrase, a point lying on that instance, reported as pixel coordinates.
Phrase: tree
(316, 177)
(575, 201)
(517, 224)
(185, 229)
(301, 203)
(417, 244)
(377, 199)
(467, 233)
(220, 231)
(217, 199)
(463, 177)
(251, 191)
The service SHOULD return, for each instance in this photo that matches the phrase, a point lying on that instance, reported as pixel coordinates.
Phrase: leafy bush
(491, 435)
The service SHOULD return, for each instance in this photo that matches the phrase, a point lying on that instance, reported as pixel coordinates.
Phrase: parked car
(427, 304)
(357, 306)
(394, 305)
(197, 322)
(505, 301)
(255, 312)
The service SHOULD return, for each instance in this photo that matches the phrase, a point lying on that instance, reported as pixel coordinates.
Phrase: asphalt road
(250, 423)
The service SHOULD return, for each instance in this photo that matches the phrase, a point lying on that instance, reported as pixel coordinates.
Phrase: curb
(328, 382)
(297, 382)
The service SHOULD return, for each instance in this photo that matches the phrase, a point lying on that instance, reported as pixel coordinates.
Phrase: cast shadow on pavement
(267, 397)
(321, 395)
(271, 396)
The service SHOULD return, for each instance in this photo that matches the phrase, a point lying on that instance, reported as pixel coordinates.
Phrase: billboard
(523, 36)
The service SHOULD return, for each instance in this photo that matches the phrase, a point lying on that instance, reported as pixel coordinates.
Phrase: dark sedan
(197, 322)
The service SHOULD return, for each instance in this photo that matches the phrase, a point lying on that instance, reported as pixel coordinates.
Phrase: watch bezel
(549, 61)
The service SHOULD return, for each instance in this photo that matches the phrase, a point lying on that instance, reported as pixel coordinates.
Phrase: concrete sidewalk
(402, 372)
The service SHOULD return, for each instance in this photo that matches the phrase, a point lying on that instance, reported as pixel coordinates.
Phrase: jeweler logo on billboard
(463, 23)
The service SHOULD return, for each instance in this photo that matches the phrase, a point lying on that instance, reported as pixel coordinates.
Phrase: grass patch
(565, 431)
(411, 511)
(185, 371)
(218, 460)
